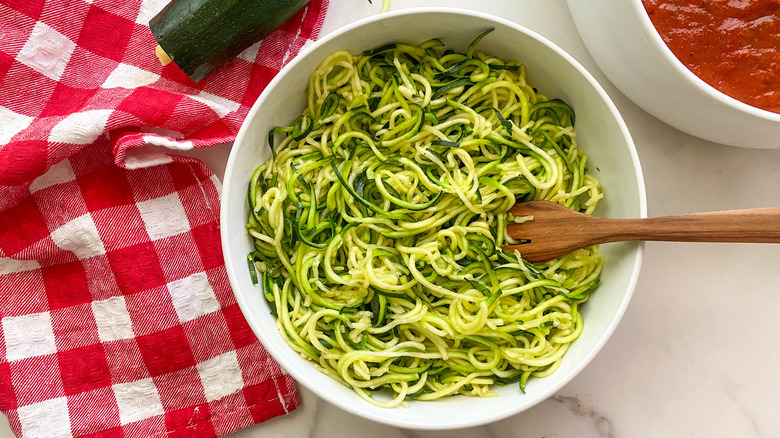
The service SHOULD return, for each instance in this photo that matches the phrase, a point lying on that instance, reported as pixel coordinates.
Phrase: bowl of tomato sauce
(710, 68)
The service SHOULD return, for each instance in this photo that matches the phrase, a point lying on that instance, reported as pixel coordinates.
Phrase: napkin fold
(116, 315)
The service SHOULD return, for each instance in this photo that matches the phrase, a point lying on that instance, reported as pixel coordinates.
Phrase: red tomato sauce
(733, 45)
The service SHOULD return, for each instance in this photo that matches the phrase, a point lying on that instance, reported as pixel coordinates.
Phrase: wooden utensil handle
(757, 225)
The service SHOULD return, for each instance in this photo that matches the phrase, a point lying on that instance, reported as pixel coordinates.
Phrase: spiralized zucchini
(379, 220)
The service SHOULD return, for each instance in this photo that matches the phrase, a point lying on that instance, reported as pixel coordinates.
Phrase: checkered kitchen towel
(116, 316)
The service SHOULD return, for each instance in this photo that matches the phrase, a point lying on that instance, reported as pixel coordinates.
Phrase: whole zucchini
(201, 35)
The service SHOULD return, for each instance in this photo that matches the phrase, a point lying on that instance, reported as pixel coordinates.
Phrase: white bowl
(628, 49)
(600, 132)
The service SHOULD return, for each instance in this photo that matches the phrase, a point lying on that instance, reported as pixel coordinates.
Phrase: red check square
(84, 369)
(149, 427)
(7, 395)
(154, 104)
(25, 155)
(166, 351)
(202, 212)
(257, 397)
(261, 75)
(222, 291)
(136, 268)
(211, 130)
(221, 84)
(105, 187)
(85, 60)
(108, 97)
(90, 160)
(188, 128)
(183, 175)
(266, 367)
(105, 34)
(66, 285)
(194, 418)
(31, 8)
(6, 61)
(27, 232)
(66, 100)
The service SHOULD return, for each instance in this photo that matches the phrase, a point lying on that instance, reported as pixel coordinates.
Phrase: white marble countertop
(696, 354)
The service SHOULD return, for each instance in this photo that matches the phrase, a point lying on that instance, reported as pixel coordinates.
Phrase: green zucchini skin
(201, 35)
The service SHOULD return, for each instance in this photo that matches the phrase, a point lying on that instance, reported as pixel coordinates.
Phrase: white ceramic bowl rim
(691, 76)
(231, 262)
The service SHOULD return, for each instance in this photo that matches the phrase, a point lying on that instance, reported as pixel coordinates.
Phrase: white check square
(164, 216)
(137, 400)
(129, 76)
(220, 105)
(112, 319)
(79, 236)
(193, 297)
(28, 336)
(46, 419)
(148, 9)
(250, 53)
(46, 51)
(80, 128)
(59, 173)
(12, 123)
(221, 376)
(9, 265)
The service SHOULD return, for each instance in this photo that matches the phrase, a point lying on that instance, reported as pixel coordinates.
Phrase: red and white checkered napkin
(116, 316)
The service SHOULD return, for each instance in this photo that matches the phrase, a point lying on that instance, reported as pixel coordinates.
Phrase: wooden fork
(555, 230)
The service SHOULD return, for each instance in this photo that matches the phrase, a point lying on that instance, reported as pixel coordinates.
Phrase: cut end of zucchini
(199, 36)
(162, 56)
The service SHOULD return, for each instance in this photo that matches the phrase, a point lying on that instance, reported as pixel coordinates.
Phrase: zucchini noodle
(379, 219)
